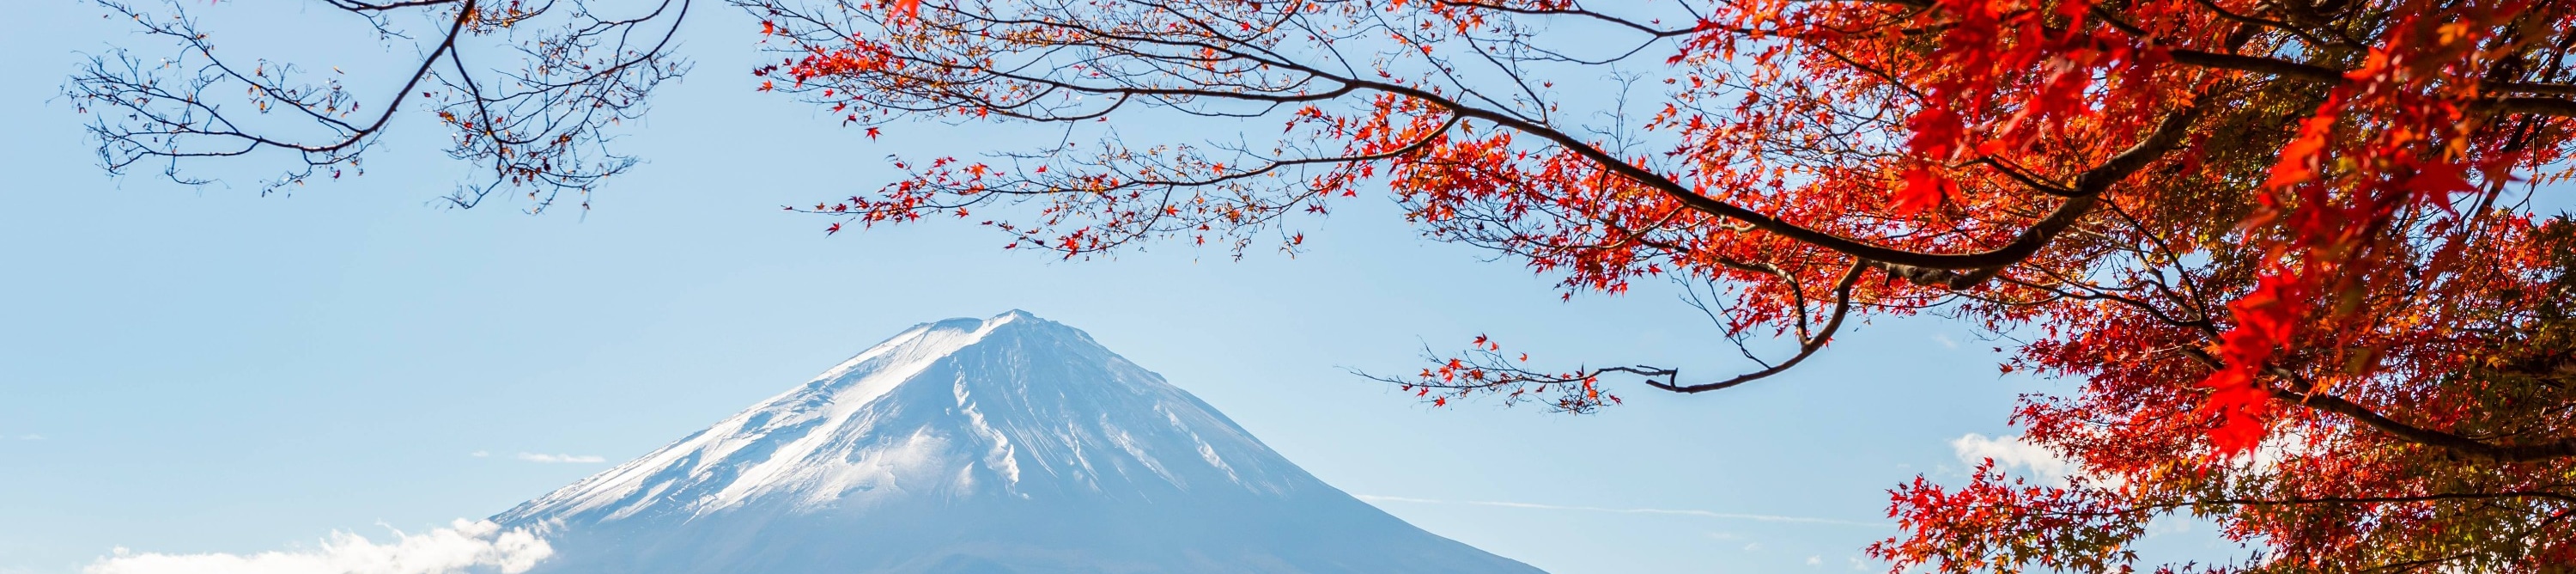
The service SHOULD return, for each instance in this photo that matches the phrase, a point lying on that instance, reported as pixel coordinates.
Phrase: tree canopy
(2295, 258)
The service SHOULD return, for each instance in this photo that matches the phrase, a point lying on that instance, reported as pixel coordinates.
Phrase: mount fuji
(1009, 445)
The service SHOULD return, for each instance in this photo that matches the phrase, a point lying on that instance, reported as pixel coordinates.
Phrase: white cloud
(551, 458)
(482, 453)
(2279, 447)
(1685, 512)
(1815, 561)
(31, 437)
(2170, 525)
(2011, 451)
(1753, 547)
(465, 545)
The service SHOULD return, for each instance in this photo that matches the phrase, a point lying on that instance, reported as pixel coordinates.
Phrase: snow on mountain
(1004, 445)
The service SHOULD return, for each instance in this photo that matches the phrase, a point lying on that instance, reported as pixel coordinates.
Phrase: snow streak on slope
(773, 446)
(1010, 444)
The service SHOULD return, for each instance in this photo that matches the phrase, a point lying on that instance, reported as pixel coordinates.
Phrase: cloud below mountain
(477, 545)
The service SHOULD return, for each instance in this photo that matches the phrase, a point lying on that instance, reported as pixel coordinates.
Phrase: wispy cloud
(30, 437)
(466, 546)
(555, 458)
(2012, 451)
(1671, 511)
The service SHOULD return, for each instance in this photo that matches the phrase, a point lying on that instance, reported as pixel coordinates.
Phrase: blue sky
(210, 370)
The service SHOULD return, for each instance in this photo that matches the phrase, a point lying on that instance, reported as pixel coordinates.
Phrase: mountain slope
(1005, 445)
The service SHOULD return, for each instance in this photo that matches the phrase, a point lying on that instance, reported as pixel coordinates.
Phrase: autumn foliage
(2296, 261)
(2289, 250)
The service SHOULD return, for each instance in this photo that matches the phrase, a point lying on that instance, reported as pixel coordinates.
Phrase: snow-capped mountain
(1004, 445)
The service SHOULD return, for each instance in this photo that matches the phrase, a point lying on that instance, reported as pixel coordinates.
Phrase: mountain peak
(1012, 417)
(1013, 404)
(925, 342)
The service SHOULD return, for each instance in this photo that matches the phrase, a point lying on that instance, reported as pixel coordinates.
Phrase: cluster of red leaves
(2002, 524)
(1486, 369)
(2419, 146)
(1992, 47)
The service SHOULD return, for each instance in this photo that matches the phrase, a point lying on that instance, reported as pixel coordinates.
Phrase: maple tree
(2292, 255)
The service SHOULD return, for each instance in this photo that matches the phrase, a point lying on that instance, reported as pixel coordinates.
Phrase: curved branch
(2558, 107)
(1807, 348)
(2091, 183)
(2461, 446)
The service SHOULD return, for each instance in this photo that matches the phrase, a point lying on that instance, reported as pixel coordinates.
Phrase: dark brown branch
(1484, 369)
(2080, 199)
(2257, 64)
(2294, 70)
(1806, 348)
(2022, 247)
(2461, 446)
